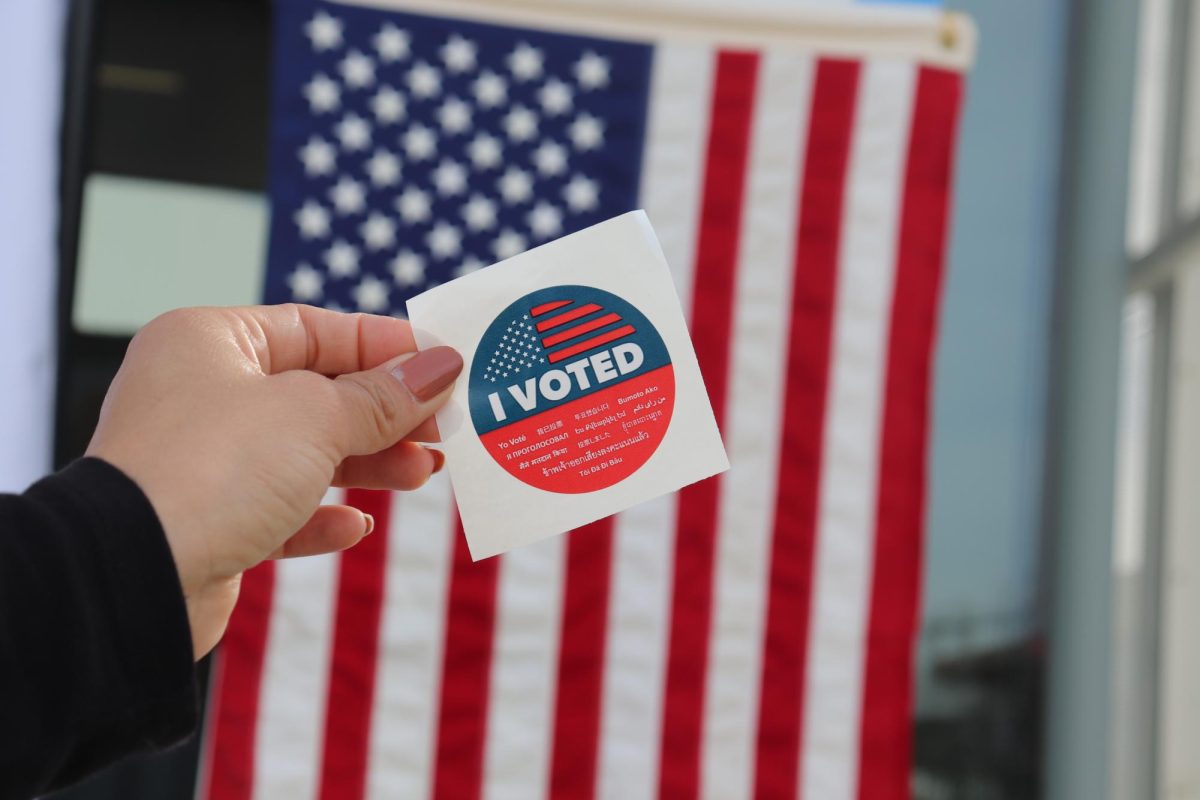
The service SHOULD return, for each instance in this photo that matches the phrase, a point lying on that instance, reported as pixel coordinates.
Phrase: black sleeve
(95, 650)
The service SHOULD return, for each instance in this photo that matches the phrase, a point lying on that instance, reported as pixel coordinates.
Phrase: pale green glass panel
(149, 246)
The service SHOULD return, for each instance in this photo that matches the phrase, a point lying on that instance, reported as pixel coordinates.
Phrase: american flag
(751, 636)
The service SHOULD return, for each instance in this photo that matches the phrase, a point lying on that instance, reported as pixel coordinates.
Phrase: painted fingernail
(429, 372)
(370, 523)
(439, 459)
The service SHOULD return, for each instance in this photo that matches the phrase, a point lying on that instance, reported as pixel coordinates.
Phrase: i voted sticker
(571, 389)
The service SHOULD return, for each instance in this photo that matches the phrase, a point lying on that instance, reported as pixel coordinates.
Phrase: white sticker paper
(580, 395)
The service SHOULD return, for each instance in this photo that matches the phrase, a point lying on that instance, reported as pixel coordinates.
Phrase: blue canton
(409, 150)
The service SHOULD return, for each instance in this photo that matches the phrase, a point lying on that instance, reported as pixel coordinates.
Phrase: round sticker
(571, 389)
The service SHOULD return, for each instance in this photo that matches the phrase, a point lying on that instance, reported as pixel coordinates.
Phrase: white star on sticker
(458, 54)
(391, 43)
(342, 259)
(318, 157)
(490, 89)
(322, 94)
(424, 80)
(444, 240)
(587, 132)
(555, 97)
(520, 124)
(484, 151)
(591, 71)
(312, 220)
(413, 205)
(384, 168)
(508, 244)
(470, 264)
(408, 268)
(525, 62)
(324, 31)
(550, 158)
(420, 143)
(371, 295)
(378, 232)
(306, 284)
(582, 194)
(348, 196)
(388, 105)
(545, 220)
(357, 70)
(450, 178)
(515, 185)
(479, 213)
(354, 132)
(454, 116)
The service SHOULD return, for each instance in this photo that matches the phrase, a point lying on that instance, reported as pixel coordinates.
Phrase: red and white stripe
(752, 636)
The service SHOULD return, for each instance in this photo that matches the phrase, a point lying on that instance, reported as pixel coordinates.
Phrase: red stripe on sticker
(591, 344)
(815, 264)
(546, 308)
(237, 689)
(734, 89)
(580, 330)
(886, 740)
(466, 674)
(567, 316)
(581, 662)
(361, 576)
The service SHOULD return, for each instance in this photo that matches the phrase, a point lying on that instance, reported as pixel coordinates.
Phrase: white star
(324, 31)
(342, 259)
(520, 124)
(444, 240)
(408, 268)
(507, 245)
(391, 43)
(420, 142)
(450, 178)
(312, 220)
(388, 105)
(371, 295)
(424, 81)
(318, 157)
(357, 70)
(348, 196)
(484, 151)
(582, 194)
(545, 221)
(384, 168)
(470, 264)
(591, 71)
(555, 97)
(306, 284)
(378, 232)
(322, 94)
(413, 205)
(550, 158)
(490, 89)
(587, 132)
(458, 54)
(515, 185)
(454, 116)
(354, 132)
(479, 213)
(525, 62)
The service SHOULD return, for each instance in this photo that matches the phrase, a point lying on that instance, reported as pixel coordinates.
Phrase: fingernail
(439, 459)
(370, 523)
(429, 372)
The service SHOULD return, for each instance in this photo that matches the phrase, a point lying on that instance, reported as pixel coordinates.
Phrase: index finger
(291, 336)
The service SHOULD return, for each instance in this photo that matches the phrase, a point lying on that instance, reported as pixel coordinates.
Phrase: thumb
(382, 405)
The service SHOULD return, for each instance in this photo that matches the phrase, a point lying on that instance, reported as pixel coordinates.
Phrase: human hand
(226, 419)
